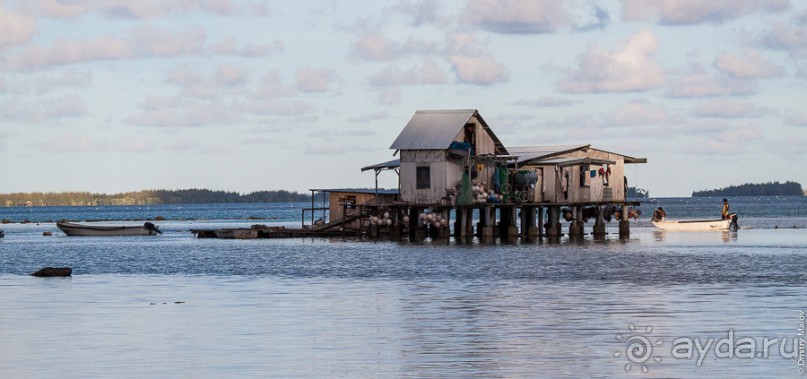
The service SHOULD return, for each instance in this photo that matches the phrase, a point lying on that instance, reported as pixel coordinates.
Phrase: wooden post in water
(624, 223)
(599, 224)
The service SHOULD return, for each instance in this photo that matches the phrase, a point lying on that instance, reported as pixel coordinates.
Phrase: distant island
(147, 197)
(763, 189)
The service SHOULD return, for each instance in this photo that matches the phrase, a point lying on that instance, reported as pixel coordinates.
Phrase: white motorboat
(697, 225)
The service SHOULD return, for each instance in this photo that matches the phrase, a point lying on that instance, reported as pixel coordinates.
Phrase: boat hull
(694, 225)
(81, 230)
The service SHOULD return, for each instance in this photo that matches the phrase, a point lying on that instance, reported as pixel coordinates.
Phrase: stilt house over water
(437, 147)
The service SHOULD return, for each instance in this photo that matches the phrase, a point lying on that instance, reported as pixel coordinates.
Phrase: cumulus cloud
(696, 82)
(786, 37)
(689, 12)
(375, 47)
(794, 118)
(547, 102)
(720, 137)
(229, 76)
(73, 78)
(629, 68)
(311, 79)
(479, 69)
(426, 74)
(142, 9)
(641, 113)
(423, 12)
(182, 114)
(46, 109)
(15, 29)
(517, 16)
(389, 97)
(229, 46)
(751, 65)
(143, 42)
(727, 109)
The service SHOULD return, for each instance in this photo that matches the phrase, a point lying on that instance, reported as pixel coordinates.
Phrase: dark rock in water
(47, 234)
(53, 271)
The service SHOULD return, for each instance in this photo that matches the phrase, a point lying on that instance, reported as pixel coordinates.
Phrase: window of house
(424, 177)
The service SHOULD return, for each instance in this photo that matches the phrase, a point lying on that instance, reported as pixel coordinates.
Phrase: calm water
(174, 306)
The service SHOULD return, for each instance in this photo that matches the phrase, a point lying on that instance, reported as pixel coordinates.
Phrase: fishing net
(466, 195)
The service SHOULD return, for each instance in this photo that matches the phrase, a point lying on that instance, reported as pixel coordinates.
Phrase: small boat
(698, 225)
(73, 229)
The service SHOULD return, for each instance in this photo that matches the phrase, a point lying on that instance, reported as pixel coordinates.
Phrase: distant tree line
(188, 196)
(635, 193)
(762, 189)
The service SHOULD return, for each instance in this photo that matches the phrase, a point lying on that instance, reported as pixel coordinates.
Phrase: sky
(110, 96)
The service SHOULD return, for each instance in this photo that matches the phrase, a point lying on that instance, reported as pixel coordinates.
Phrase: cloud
(310, 79)
(134, 145)
(369, 118)
(786, 37)
(143, 42)
(727, 109)
(795, 118)
(46, 109)
(426, 74)
(517, 16)
(750, 65)
(161, 111)
(72, 78)
(640, 114)
(424, 12)
(72, 143)
(375, 47)
(229, 76)
(716, 137)
(229, 46)
(15, 29)
(690, 12)
(479, 69)
(389, 97)
(333, 149)
(696, 82)
(125, 9)
(547, 102)
(629, 68)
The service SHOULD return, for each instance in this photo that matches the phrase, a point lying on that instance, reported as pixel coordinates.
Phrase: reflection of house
(436, 147)
(575, 174)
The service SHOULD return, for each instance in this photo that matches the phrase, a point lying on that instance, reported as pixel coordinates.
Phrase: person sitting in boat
(725, 212)
(659, 214)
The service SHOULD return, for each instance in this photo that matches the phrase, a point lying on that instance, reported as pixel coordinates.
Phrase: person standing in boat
(725, 212)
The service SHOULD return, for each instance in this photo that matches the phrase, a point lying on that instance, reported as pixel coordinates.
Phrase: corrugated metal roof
(381, 191)
(395, 163)
(529, 153)
(432, 130)
(436, 129)
(572, 161)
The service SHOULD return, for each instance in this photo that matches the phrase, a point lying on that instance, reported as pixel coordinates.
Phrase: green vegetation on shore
(763, 189)
(188, 196)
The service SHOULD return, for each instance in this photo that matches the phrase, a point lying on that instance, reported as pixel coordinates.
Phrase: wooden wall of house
(445, 174)
(483, 141)
(594, 192)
